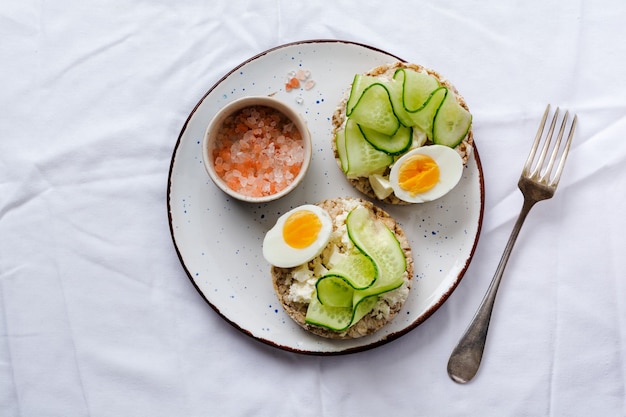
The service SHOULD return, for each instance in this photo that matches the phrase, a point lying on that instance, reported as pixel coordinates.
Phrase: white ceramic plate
(219, 239)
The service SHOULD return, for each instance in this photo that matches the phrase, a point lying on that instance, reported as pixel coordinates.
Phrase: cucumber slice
(416, 88)
(338, 318)
(378, 242)
(374, 110)
(452, 122)
(357, 270)
(362, 158)
(364, 306)
(340, 143)
(395, 95)
(423, 118)
(396, 144)
(359, 84)
(334, 291)
(333, 318)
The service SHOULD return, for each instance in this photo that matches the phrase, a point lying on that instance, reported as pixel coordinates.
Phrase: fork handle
(467, 355)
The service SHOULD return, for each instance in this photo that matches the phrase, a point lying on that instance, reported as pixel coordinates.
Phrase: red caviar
(258, 151)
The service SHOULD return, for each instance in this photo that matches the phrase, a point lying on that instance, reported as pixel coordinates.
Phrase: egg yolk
(418, 174)
(301, 229)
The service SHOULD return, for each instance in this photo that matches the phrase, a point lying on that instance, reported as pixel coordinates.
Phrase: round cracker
(362, 184)
(282, 278)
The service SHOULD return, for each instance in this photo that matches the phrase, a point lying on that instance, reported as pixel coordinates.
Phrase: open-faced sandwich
(402, 134)
(341, 268)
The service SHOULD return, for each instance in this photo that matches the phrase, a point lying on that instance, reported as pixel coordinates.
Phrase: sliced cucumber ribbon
(349, 290)
(410, 99)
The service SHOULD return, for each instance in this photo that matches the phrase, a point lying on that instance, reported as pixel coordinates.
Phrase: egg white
(450, 171)
(278, 253)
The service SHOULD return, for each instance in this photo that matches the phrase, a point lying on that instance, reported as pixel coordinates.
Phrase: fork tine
(559, 169)
(555, 150)
(546, 145)
(533, 150)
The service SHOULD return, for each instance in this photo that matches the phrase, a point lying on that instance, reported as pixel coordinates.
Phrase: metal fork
(536, 183)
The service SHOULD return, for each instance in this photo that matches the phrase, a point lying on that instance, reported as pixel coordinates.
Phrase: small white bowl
(233, 107)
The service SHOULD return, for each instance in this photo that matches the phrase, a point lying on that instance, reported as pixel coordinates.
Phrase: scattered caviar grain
(258, 151)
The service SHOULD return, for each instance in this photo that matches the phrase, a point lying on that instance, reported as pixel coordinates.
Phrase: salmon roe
(258, 151)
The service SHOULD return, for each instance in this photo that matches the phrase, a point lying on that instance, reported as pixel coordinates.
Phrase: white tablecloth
(97, 316)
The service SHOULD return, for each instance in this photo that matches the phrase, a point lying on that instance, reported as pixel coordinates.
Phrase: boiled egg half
(426, 173)
(298, 236)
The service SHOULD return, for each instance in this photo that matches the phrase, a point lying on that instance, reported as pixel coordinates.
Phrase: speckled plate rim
(329, 347)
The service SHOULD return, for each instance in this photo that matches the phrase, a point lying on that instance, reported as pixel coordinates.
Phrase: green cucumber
(338, 318)
(423, 118)
(334, 291)
(359, 84)
(452, 122)
(333, 318)
(340, 144)
(331, 308)
(395, 95)
(390, 114)
(375, 111)
(364, 306)
(417, 87)
(379, 243)
(357, 270)
(396, 144)
(361, 157)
